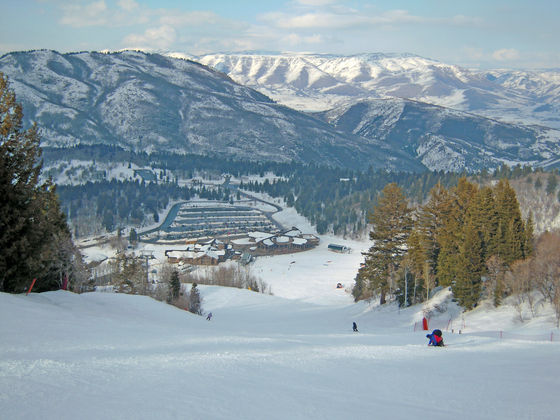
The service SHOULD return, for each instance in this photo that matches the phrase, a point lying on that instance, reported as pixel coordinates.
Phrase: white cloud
(506, 54)
(190, 18)
(294, 39)
(128, 5)
(341, 17)
(91, 14)
(97, 13)
(313, 20)
(351, 19)
(153, 38)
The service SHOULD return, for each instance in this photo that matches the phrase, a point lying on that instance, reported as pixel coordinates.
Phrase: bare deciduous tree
(546, 269)
(230, 276)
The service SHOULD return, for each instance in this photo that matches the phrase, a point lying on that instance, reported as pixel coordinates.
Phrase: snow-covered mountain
(445, 139)
(313, 82)
(149, 102)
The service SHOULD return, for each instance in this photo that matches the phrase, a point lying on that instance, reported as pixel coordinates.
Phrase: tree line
(470, 238)
(182, 165)
(338, 200)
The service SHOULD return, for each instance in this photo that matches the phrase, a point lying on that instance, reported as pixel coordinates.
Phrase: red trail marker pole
(31, 287)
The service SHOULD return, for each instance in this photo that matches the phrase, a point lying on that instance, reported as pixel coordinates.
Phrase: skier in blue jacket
(435, 338)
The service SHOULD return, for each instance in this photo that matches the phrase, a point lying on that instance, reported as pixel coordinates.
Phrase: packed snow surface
(103, 355)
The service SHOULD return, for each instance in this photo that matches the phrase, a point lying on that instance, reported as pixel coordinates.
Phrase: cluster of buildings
(194, 221)
(257, 243)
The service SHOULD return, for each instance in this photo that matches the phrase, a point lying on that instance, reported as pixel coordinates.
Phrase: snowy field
(102, 355)
(288, 356)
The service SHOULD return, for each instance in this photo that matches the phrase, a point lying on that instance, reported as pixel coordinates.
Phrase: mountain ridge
(512, 96)
(151, 102)
(445, 139)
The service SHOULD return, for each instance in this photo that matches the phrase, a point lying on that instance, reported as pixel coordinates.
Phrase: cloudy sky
(475, 33)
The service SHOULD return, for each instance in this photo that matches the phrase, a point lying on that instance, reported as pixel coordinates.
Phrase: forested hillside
(339, 201)
(469, 238)
(335, 200)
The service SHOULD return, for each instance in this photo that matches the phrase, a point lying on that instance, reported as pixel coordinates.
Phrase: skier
(435, 338)
(209, 317)
(354, 327)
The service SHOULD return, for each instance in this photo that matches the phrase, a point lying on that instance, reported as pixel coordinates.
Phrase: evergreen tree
(512, 236)
(424, 244)
(538, 183)
(528, 243)
(108, 221)
(133, 236)
(451, 233)
(33, 230)
(470, 267)
(195, 301)
(391, 221)
(174, 285)
(483, 218)
(552, 183)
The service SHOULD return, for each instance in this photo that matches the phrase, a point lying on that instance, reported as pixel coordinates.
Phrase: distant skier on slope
(209, 317)
(435, 338)
(354, 327)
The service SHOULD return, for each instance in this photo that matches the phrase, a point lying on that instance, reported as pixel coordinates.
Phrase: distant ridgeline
(333, 199)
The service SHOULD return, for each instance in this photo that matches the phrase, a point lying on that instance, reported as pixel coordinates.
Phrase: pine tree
(133, 236)
(538, 183)
(528, 243)
(552, 183)
(451, 232)
(392, 223)
(33, 230)
(195, 301)
(512, 235)
(483, 217)
(470, 267)
(174, 285)
(424, 244)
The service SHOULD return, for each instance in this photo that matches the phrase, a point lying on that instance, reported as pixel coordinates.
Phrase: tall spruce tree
(391, 225)
(174, 286)
(512, 236)
(483, 218)
(451, 233)
(470, 266)
(195, 301)
(33, 231)
(424, 244)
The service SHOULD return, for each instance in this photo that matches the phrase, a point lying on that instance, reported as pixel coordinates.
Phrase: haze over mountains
(151, 102)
